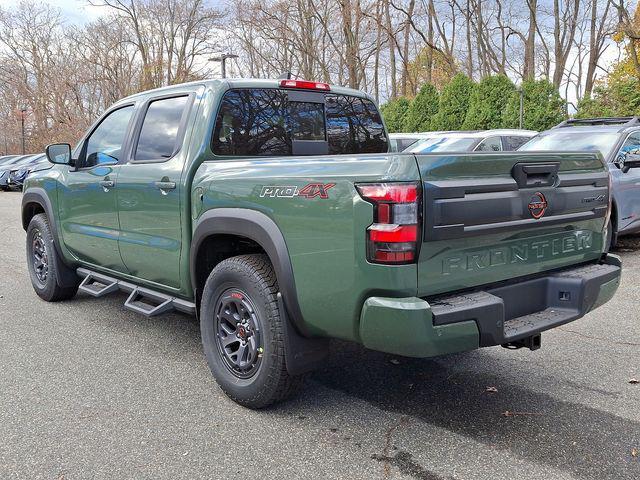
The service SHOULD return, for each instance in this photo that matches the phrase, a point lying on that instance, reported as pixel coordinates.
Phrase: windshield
(563, 140)
(443, 144)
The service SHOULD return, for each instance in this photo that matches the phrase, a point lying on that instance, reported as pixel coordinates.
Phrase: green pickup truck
(273, 211)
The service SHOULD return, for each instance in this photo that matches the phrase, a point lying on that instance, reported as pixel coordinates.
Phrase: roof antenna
(285, 76)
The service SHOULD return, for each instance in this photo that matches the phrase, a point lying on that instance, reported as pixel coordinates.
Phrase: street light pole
(23, 111)
(222, 58)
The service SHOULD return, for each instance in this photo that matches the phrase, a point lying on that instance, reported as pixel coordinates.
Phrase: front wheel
(42, 261)
(243, 332)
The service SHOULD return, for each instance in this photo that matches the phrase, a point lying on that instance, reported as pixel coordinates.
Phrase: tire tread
(281, 385)
(52, 292)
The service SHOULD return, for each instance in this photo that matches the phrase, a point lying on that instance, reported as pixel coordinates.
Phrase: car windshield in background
(443, 144)
(572, 141)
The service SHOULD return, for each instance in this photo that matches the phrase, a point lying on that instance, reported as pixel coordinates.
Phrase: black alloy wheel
(39, 258)
(238, 333)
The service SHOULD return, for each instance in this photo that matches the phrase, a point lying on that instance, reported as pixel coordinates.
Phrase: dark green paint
(404, 326)
(137, 233)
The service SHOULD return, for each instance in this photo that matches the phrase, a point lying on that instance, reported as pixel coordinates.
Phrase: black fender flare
(261, 229)
(65, 275)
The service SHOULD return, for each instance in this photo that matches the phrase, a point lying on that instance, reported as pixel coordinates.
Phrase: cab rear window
(354, 126)
(271, 122)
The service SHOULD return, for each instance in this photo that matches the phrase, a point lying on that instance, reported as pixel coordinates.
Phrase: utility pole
(222, 58)
(23, 111)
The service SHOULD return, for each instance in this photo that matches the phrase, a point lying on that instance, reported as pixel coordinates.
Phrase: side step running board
(98, 287)
(148, 302)
(141, 300)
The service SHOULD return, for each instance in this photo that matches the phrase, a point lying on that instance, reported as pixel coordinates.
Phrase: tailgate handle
(530, 175)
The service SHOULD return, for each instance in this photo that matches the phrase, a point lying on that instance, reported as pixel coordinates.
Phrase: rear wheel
(243, 332)
(42, 261)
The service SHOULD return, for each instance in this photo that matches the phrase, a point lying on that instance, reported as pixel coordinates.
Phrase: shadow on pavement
(449, 393)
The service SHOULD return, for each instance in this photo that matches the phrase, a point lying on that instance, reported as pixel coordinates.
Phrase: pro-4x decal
(311, 190)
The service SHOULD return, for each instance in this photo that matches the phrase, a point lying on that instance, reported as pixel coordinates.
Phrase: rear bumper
(493, 316)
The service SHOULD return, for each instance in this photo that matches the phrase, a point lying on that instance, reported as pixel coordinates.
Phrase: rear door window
(252, 123)
(491, 144)
(513, 142)
(273, 122)
(159, 134)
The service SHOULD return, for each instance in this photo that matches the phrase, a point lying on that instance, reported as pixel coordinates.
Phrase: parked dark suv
(618, 139)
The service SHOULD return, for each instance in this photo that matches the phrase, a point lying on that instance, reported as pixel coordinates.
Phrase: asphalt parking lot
(91, 390)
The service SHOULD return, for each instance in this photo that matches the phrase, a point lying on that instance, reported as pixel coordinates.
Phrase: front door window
(104, 145)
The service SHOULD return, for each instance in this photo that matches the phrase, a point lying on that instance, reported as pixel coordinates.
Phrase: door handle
(165, 185)
(106, 184)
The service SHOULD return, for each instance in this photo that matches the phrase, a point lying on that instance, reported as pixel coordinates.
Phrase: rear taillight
(393, 236)
(305, 85)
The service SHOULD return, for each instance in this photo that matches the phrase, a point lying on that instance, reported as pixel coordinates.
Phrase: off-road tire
(47, 286)
(252, 279)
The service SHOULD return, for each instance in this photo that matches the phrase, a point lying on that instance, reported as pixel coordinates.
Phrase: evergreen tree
(542, 106)
(488, 102)
(394, 113)
(454, 104)
(422, 109)
(598, 105)
(617, 95)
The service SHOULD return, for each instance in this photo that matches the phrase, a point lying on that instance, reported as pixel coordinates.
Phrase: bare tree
(601, 27)
(169, 35)
(66, 75)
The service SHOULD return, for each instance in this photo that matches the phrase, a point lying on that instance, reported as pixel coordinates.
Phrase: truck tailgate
(492, 217)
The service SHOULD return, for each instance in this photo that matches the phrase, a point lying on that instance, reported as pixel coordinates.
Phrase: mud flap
(65, 275)
(302, 354)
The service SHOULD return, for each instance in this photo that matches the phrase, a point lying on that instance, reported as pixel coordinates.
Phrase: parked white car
(400, 141)
(502, 140)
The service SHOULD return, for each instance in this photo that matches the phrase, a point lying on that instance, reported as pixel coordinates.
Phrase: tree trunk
(405, 49)
(529, 70)
(392, 52)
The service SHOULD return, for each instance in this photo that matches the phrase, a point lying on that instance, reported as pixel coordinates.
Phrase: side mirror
(631, 160)
(59, 153)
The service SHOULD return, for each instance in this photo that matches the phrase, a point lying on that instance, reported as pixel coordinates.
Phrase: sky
(74, 11)
(78, 11)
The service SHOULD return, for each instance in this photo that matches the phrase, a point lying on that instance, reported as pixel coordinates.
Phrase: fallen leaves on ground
(634, 452)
